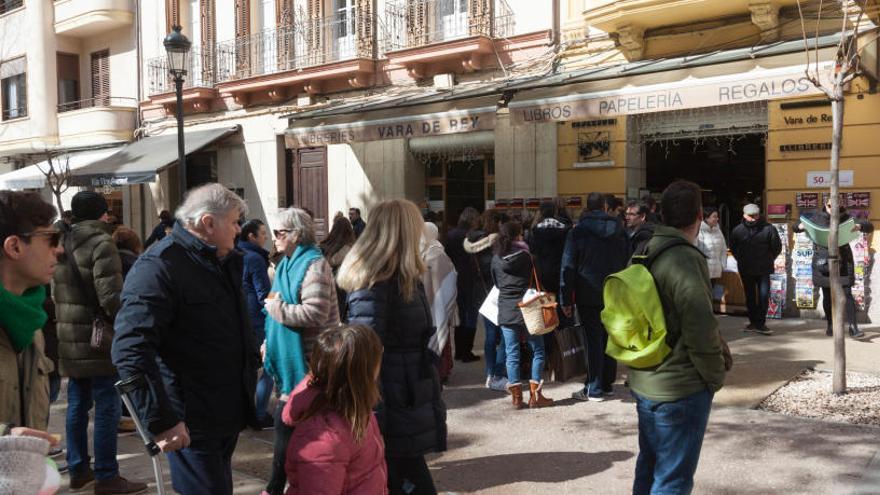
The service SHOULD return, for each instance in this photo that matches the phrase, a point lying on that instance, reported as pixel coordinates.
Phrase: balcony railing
(97, 102)
(416, 23)
(306, 43)
(199, 71)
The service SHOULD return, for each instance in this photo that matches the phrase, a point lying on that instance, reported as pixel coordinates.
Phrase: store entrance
(729, 169)
(453, 184)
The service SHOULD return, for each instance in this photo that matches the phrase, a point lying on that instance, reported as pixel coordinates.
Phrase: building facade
(66, 85)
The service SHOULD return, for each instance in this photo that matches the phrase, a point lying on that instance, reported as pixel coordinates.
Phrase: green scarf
(22, 315)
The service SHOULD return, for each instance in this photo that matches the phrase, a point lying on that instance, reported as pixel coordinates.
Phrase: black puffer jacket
(755, 245)
(547, 244)
(511, 274)
(412, 415)
(821, 273)
(478, 246)
(184, 326)
(594, 249)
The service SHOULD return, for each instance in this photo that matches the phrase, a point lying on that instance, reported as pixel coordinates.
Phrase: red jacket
(323, 457)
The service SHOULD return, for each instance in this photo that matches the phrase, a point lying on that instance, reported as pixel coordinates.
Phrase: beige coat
(33, 412)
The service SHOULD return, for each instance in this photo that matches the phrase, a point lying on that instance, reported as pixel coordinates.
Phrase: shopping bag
(567, 352)
(489, 308)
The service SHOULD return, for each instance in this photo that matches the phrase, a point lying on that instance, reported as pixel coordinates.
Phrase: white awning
(31, 177)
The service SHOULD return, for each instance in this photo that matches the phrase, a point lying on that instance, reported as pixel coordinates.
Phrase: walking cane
(125, 387)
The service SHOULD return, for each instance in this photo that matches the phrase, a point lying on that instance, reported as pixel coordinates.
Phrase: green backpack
(633, 314)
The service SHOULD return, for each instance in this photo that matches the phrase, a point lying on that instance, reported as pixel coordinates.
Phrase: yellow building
(712, 91)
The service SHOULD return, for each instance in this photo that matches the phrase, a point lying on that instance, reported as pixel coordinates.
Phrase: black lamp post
(177, 47)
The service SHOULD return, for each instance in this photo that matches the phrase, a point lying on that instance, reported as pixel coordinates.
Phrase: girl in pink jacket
(336, 447)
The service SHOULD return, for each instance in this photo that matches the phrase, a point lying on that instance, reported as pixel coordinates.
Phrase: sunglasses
(54, 236)
(281, 232)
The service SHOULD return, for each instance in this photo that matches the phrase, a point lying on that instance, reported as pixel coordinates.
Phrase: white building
(68, 84)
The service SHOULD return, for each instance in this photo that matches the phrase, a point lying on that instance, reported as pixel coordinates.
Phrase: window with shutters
(207, 15)
(68, 82)
(242, 33)
(13, 89)
(9, 5)
(100, 69)
(172, 14)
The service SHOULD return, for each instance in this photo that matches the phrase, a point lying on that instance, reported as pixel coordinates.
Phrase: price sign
(823, 179)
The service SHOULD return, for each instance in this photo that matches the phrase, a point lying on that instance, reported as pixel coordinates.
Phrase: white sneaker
(498, 384)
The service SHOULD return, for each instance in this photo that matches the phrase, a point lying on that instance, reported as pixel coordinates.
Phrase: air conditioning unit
(443, 82)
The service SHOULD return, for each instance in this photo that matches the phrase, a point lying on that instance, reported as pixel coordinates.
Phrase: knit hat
(88, 205)
(22, 464)
(751, 210)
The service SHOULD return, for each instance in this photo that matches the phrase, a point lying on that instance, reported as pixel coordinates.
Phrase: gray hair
(209, 199)
(299, 221)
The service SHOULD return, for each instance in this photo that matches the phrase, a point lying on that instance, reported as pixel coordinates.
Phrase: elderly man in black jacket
(184, 327)
(755, 245)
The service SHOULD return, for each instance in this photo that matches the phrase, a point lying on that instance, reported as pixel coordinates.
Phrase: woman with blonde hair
(382, 276)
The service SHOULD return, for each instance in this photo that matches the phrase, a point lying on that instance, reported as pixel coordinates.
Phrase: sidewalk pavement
(578, 447)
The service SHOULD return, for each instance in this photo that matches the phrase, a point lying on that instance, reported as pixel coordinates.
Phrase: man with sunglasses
(28, 254)
(86, 286)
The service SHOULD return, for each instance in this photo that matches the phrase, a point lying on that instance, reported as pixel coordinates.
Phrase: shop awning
(140, 161)
(31, 177)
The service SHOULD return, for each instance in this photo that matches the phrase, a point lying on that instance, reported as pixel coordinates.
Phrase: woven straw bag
(539, 311)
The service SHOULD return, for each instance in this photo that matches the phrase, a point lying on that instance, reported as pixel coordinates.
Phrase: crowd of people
(342, 346)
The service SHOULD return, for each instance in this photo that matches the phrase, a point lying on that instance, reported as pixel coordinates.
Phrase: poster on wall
(779, 277)
(802, 271)
(861, 258)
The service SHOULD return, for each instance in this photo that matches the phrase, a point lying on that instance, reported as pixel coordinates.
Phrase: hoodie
(595, 248)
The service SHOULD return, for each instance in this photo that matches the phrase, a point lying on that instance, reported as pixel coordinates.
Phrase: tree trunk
(837, 297)
(57, 195)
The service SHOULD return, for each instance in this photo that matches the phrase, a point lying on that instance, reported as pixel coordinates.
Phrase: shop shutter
(172, 14)
(242, 33)
(698, 123)
(208, 37)
(100, 69)
(310, 185)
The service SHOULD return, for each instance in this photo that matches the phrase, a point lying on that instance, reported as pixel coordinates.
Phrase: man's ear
(12, 247)
(208, 222)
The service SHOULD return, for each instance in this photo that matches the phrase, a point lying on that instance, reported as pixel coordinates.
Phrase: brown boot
(536, 398)
(516, 392)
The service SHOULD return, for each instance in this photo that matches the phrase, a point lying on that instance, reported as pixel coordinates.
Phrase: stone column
(42, 73)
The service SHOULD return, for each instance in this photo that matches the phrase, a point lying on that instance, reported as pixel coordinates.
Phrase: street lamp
(177, 47)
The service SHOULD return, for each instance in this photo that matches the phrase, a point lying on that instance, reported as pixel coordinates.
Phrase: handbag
(101, 338)
(567, 352)
(539, 308)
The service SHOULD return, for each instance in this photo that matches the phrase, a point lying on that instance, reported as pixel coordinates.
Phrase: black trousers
(278, 478)
(757, 290)
(850, 313)
(409, 476)
(205, 467)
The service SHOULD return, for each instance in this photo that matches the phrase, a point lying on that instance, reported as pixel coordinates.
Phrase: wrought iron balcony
(306, 43)
(415, 23)
(98, 101)
(199, 71)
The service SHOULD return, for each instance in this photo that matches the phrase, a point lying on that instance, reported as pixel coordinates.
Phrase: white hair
(210, 199)
(297, 220)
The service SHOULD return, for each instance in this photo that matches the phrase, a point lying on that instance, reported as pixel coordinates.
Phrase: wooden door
(310, 186)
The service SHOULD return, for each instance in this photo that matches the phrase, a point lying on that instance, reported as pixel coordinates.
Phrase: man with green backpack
(667, 334)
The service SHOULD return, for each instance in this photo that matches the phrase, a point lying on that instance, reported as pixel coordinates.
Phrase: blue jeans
(264, 391)
(205, 467)
(495, 354)
(81, 394)
(757, 289)
(670, 438)
(601, 368)
(511, 343)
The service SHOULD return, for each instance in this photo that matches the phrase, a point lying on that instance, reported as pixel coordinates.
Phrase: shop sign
(788, 148)
(823, 179)
(380, 130)
(805, 200)
(825, 118)
(661, 98)
(574, 201)
(593, 145)
(852, 200)
(778, 211)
